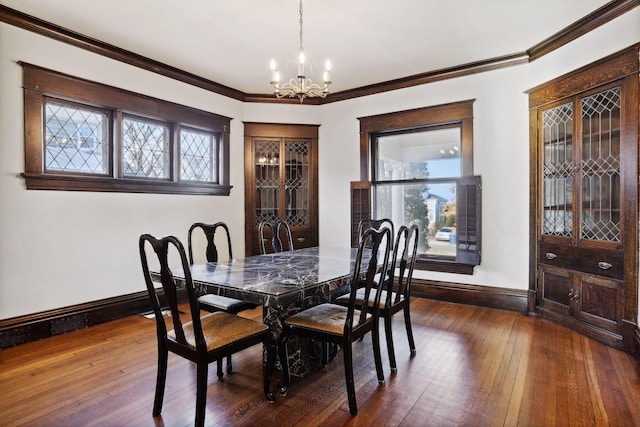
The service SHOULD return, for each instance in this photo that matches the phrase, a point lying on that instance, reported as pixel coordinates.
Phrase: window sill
(444, 266)
(120, 185)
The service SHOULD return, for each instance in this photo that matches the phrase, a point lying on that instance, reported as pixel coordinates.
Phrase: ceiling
(367, 41)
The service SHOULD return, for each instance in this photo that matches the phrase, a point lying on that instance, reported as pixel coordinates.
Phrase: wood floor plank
(474, 366)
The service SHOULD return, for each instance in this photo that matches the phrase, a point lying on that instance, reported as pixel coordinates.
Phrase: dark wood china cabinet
(281, 181)
(584, 198)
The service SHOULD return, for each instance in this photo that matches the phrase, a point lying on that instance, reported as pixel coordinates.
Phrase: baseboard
(23, 329)
(486, 296)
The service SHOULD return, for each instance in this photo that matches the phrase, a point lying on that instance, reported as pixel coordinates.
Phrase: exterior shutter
(360, 206)
(468, 211)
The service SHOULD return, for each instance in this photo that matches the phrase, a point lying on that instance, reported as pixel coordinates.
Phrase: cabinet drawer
(600, 262)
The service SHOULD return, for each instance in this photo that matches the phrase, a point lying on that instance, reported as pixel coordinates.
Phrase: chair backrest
(210, 232)
(276, 241)
(162, 248)
(373, 257)
(366, 224)
(406, 248)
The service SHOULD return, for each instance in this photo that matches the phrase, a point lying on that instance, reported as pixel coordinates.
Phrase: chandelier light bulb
(273, 65)
(301, 58)
(327, 65)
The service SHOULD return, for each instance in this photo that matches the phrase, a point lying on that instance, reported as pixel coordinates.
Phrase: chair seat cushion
(324, 317)
(220, 329)
(220, 303)
(344, 299)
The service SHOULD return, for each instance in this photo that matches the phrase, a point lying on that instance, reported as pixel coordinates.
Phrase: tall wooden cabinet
(281, 181)
(584, 148)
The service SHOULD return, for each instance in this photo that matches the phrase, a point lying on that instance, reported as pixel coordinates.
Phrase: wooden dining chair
(396, 292)
(276, 241)
(198, 339)
(211, 302)
(342, 325)
(366, 224)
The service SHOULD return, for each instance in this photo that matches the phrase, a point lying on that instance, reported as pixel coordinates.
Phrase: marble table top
(277, 279)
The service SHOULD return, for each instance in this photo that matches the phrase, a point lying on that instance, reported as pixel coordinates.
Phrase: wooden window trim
(457, 113)
(40, 83)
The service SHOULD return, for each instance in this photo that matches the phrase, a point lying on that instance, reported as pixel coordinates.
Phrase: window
(420, 162)
(81, 135)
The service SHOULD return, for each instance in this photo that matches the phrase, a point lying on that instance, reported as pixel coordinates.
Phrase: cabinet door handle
(550, 255)
(574, 295)
(300, 239)
(604, 265)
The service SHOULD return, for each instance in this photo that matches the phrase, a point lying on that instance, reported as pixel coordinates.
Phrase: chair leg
(161, 379)
(229, 365)
(376, 352)
(333, 351)
(389, 334)
(348, 373)
(325, 354)
(283, 354)
(268, 369)
(201, 392)
(407, 324)
(220, 371)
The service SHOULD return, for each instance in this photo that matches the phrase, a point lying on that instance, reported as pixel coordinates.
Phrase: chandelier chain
(301, 48)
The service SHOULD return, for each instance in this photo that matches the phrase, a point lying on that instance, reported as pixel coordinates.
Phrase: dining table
(284, 283)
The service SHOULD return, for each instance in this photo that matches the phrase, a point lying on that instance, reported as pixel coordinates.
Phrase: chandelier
(300, 86)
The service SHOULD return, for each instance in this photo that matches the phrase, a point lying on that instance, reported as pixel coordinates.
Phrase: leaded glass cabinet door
(590, 162)
(267, 180)
(600, 166)
(296, 175)
(558, 169)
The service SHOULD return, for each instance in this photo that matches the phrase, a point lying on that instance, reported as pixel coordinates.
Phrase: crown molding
(582, 26)
(590, 22)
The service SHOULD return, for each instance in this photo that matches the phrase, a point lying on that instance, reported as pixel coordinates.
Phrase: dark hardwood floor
(474, 366)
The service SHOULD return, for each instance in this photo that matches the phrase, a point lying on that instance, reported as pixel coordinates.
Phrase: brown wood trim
(581, 27)
(32, 327)
(608, 69)
(486, 296)
(47, 29)
(281, 130)
(533, 208)
(48, 181)
(263, 98)
(597, 18)
(443, 266)
(430, 77)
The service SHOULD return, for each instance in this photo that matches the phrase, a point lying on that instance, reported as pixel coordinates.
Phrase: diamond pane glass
(198, 156)
(557, 170)
(267, 156)
(600, 207)
(145, 148)
(297, 182)
(76, 139)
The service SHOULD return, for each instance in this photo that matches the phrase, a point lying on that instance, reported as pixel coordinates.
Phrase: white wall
(63, 248)
(60, 248)
(501, 156)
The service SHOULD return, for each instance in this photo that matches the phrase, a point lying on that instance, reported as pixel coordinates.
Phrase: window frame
(41, 84)
(452, 114)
